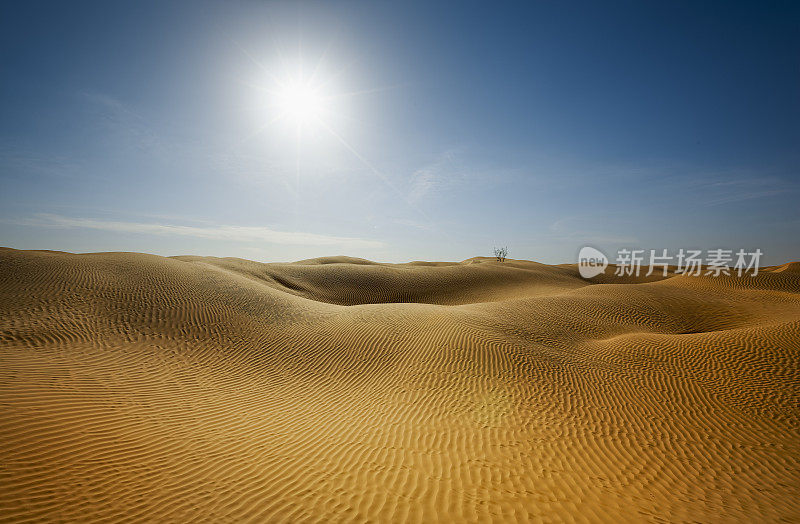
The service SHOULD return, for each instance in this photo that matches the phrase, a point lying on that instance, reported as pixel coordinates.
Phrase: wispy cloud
(231, 233)
(724, 188)
(577, 229)
(433, 177)
(121, 120)
(727, 191)
(413, 223)
(18, 161)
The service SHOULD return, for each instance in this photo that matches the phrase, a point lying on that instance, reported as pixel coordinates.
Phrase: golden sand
(142, 388)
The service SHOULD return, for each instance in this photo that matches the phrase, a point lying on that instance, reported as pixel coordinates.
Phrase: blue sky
(448, 128)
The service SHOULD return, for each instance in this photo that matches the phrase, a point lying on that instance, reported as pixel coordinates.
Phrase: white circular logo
(591, 262)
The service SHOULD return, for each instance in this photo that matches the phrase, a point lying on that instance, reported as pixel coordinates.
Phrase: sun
(300, 103)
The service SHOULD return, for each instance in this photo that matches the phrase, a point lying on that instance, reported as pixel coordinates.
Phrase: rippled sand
(137, 387)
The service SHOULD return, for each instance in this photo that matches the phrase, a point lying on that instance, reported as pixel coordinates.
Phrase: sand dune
(142, 388)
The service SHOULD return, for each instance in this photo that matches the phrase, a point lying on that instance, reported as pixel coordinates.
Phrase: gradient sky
(453, 127)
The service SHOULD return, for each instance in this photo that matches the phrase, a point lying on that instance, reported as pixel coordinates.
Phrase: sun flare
(300, 103)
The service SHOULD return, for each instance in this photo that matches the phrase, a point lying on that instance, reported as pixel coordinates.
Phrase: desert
(140, 387)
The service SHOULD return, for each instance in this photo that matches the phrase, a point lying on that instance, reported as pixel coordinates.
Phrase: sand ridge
(143, 388)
